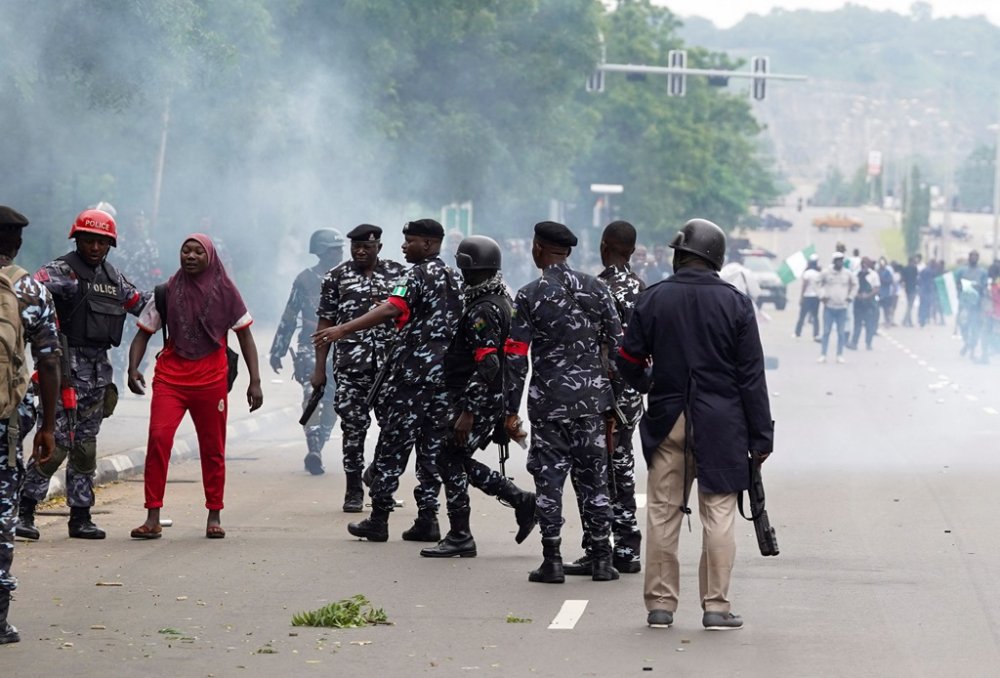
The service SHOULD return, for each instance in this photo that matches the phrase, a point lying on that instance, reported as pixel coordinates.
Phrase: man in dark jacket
(693, 345)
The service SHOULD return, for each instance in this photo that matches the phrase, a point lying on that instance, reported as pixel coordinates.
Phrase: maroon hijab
(202, 307)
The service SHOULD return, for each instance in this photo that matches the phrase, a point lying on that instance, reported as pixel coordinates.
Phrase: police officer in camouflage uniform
(473, 373)
(300, 311)
(617, 247)
(38, 327)
(349, 291)
(566, 317)
(426, 305)
(91, 299)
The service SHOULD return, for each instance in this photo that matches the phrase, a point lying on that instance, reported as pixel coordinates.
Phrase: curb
(133, 461)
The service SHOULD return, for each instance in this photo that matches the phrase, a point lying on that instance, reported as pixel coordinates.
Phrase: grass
(349, 613)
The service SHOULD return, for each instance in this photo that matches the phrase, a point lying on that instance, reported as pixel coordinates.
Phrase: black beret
(427, 228)
(10, 217)
(554, 233)
(365, 233)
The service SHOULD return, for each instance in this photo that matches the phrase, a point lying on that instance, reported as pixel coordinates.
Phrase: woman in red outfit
(202, 305)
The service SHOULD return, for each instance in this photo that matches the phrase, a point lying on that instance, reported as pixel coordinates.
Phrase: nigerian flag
(947, 293)
(792, 267)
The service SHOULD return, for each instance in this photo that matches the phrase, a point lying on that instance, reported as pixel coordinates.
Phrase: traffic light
(759, 65)
(677, 82)
(595, 82)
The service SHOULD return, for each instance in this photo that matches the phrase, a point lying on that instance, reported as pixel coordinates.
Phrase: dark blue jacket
(700, 333)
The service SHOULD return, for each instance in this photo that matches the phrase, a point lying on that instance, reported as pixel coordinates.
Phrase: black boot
(25, 525)
(524, 509)
(314, 464)
(601, 563)
(8, 634)
(81, 526)
(551, 569)
(582, 566)
(425, 527)
(354, 496)
(373, 528)
(458, 541)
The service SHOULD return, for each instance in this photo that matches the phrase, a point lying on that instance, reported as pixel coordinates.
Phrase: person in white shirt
(809, 300)
(836, 291)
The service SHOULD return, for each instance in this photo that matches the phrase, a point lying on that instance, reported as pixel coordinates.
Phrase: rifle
(767, 538)
(380, 376)
(66, 384)
(313, 403)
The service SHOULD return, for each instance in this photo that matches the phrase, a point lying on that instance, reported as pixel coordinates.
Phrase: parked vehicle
(841, 221)
(771, 222)
(772, 290)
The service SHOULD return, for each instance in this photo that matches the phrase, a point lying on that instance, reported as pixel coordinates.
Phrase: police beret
(554, 234)
(10, 217)
(365, 233)
(426, 228)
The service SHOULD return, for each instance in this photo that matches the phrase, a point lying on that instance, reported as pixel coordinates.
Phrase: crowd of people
(440, 357)
(852, 296)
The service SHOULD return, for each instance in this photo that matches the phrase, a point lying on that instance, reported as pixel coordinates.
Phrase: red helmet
(97, 222)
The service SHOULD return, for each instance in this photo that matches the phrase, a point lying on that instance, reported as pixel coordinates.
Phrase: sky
(725, 13)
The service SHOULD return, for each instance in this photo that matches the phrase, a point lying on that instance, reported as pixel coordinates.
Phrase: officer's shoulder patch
(399, 291)
(479, 324)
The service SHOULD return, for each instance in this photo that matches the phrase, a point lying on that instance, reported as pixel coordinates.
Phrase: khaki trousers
(664, 498)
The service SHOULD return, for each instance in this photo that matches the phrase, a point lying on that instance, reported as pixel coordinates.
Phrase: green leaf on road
(349, 613)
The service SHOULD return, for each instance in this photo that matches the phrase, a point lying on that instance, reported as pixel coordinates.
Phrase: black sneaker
(627, 566)
(721, 621)
(660, 619)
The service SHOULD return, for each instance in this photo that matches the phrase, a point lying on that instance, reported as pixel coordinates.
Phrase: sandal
(215, 532)
(144, 531)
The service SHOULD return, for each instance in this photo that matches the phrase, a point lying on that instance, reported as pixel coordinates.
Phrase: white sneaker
(840, 359)
(822, 359)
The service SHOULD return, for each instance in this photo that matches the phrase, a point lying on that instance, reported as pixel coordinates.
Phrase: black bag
(232, 357)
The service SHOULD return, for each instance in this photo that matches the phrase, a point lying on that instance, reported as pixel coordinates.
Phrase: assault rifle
(767, 539)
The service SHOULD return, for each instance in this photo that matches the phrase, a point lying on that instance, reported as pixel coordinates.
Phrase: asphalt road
(882, 489)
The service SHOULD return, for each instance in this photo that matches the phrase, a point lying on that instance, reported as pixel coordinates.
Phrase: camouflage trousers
(81, 451)
(624, 528)
(10, 482)
(418, 416)
(459, 469)
(562, 448)
(355, 419)
(319, 428)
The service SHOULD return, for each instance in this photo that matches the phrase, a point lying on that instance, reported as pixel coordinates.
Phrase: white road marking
(640, 500)
(932, 369)
(292, 444)
(922, 363)
(971, 398)
(569, 614)
(989, 410)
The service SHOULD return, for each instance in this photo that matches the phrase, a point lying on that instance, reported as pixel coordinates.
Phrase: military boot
(373, 528)
(81, 526)
(601, 561)
(458, 541)
(551, 569)
(25, 525)
(524, 509)
(354, 495)
(8, 634)
(425, 527)
(581, 567)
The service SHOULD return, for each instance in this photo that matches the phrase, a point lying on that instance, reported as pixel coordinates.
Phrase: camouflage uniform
(302, 303)
(347, 294)
(564, 316)
(475, 385)
(92, 374)
(625, 287)
(39, 320)
(414, 397)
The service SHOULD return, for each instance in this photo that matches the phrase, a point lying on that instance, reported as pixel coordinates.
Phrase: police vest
(94, 316)
(460, 360)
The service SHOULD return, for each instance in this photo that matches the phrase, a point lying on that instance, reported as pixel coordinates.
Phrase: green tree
(916, 210)
(975, 179)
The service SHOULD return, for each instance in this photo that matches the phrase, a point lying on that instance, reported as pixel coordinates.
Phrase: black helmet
(703, 238)
(477, 253)
(324, 239)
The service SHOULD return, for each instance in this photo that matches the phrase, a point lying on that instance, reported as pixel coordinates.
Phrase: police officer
(566, 317)
(617, 247)
(37, 326)
(426, 305)
(707, 376)
(349, 291)
(473, 373)
(300, 311)
(91, 299)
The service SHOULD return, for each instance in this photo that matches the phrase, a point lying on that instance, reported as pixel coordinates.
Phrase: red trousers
(209, 409)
